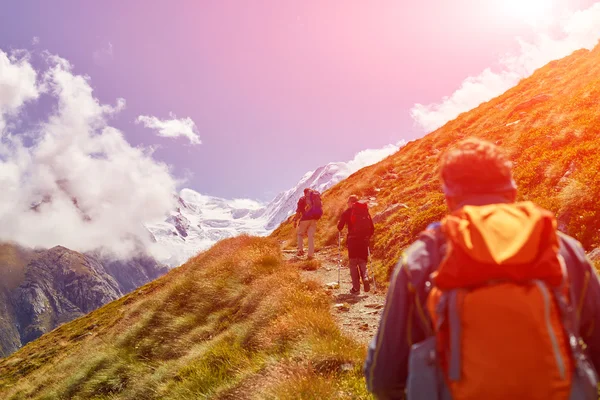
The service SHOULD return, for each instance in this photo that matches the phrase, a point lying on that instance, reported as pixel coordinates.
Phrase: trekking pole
(372, 273)
(339, 257)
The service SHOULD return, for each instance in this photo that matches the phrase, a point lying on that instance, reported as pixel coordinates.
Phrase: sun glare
(530, 11)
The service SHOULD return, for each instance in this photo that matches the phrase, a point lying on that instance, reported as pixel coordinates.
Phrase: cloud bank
(580, 29)
(72, 179)
(172, 128)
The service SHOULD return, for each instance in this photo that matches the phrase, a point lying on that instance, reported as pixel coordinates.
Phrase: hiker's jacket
(405, 320)
(358, 247)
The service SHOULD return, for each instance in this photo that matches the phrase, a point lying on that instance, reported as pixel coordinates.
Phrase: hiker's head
(306, 191)
(476, 168)
(352, 199)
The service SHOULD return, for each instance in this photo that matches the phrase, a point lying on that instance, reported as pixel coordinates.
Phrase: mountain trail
(357, 315)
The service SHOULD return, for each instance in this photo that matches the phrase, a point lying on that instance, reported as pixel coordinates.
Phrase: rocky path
(357, 315)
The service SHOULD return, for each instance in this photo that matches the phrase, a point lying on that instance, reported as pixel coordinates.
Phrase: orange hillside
(549, 124)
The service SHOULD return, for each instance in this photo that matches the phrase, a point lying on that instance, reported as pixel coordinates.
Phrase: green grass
(235, 319)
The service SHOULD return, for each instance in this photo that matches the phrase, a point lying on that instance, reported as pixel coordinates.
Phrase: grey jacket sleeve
(585, 287)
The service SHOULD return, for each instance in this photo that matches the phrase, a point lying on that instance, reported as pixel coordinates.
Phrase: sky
(239, 99)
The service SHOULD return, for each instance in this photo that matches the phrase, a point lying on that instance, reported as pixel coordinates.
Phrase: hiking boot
(353, 291)
(367, 285)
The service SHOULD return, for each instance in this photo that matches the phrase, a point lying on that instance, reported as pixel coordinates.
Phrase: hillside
(234, 322)
(41, 289)
(549, 124)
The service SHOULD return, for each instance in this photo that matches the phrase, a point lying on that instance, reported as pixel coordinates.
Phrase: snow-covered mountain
(199, 221)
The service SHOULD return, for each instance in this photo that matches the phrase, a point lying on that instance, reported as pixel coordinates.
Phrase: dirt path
(357, 315)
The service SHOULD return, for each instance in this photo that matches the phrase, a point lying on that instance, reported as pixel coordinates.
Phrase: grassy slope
(235, 319)
(554, 146)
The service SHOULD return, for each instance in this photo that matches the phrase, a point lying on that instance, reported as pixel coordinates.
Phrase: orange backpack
(503, 326)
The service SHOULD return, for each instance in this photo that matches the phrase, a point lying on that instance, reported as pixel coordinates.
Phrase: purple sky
(276, 88)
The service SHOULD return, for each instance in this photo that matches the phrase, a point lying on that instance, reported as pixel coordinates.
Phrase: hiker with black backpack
(491, 302)
(360, 229)
(308, 211)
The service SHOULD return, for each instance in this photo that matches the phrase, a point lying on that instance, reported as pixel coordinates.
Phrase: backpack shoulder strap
(430, 253)
(574, 258)
(436, 244)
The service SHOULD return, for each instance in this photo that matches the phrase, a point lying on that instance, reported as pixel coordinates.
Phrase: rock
(594, 255)
(347, 367)
(425, 206)
(58, 285)
(133, 273)
(332, 285)
(342, 307)
(527, 105)
(374, 305)
(389, 176)
(364, 327)
(387, 212)
(181, 223)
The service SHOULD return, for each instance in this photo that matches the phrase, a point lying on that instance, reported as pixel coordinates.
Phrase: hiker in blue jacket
(405, 320)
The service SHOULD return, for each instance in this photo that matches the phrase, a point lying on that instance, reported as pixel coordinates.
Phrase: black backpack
(360, 220)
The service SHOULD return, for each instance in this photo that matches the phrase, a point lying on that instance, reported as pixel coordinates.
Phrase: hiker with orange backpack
(492, 302)
(360, 229)
(308, 211)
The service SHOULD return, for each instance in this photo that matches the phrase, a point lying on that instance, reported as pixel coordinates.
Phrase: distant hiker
(490, 303)
(360, 230)
(308, 211)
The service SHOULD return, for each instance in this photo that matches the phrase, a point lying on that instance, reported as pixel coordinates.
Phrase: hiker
(477, 305)
(308, 211)
(360, 230)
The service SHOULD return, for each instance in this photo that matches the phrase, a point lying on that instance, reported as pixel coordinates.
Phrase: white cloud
(35, 41)
(368, 157)
(172, 128)
(17, 85)
(80, 184)
(580, 29)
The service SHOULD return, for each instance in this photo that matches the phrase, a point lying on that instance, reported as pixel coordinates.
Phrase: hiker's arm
(299, 207)
(299, 210)
(386, 365)
(342, 222)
